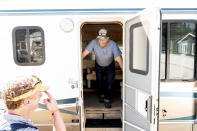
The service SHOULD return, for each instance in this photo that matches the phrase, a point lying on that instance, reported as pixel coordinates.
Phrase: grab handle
(148, 108)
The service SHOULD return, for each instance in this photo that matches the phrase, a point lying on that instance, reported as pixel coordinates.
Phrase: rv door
(141, 77)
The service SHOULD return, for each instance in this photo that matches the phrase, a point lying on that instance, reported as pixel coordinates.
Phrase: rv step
(103, 114)
(103, 111)
(103, 123)
(103, 129)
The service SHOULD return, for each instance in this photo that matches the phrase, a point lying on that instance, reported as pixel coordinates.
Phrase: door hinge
(157, 111)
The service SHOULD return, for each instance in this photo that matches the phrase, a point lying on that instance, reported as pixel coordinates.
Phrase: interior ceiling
(90, 31)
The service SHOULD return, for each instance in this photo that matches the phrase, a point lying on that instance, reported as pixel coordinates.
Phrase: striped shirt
(7, 119)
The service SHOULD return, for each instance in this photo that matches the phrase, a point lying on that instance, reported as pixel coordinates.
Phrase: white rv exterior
(60, 65)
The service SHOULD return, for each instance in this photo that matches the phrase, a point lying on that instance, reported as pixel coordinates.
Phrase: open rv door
(141, 77)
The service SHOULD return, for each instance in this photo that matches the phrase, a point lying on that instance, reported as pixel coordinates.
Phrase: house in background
(186, 45)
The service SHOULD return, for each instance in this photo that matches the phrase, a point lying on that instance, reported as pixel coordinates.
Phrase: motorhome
(156, 89)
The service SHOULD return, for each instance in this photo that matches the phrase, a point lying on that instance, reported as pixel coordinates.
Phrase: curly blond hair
(16, 88)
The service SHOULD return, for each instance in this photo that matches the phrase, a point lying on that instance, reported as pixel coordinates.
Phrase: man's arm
(119, 60)
(51, 104)
(85, 53)
(58, 121)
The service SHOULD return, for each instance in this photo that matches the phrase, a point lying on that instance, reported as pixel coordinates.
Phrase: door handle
(73, 84)
(148, 108)
(164, 112)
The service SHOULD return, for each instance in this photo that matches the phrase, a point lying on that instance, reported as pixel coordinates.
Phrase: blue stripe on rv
(93, 10)
(184, 118)
(65, 101)
(179, 94)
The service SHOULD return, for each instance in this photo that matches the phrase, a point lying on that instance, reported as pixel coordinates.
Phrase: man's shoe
(107, 103)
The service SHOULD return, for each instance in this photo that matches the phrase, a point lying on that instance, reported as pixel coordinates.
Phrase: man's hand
(51, 103)
(120, 62)
(85, 53)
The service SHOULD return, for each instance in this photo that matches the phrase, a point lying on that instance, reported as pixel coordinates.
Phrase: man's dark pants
(109, 71)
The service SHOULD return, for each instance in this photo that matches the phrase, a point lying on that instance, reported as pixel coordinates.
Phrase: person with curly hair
(21, 98)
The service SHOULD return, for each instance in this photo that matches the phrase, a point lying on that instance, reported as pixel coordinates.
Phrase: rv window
(180, 50)
(138, 49)
(28, 45)
(182, 43)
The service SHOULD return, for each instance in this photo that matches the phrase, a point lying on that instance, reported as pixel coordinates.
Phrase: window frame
(132, 27)
(167, 60)
(27, 28)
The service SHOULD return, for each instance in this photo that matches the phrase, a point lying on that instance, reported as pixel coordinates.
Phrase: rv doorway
(96, 115)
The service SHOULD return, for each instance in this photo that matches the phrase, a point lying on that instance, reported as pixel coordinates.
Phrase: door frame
(104, 19)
